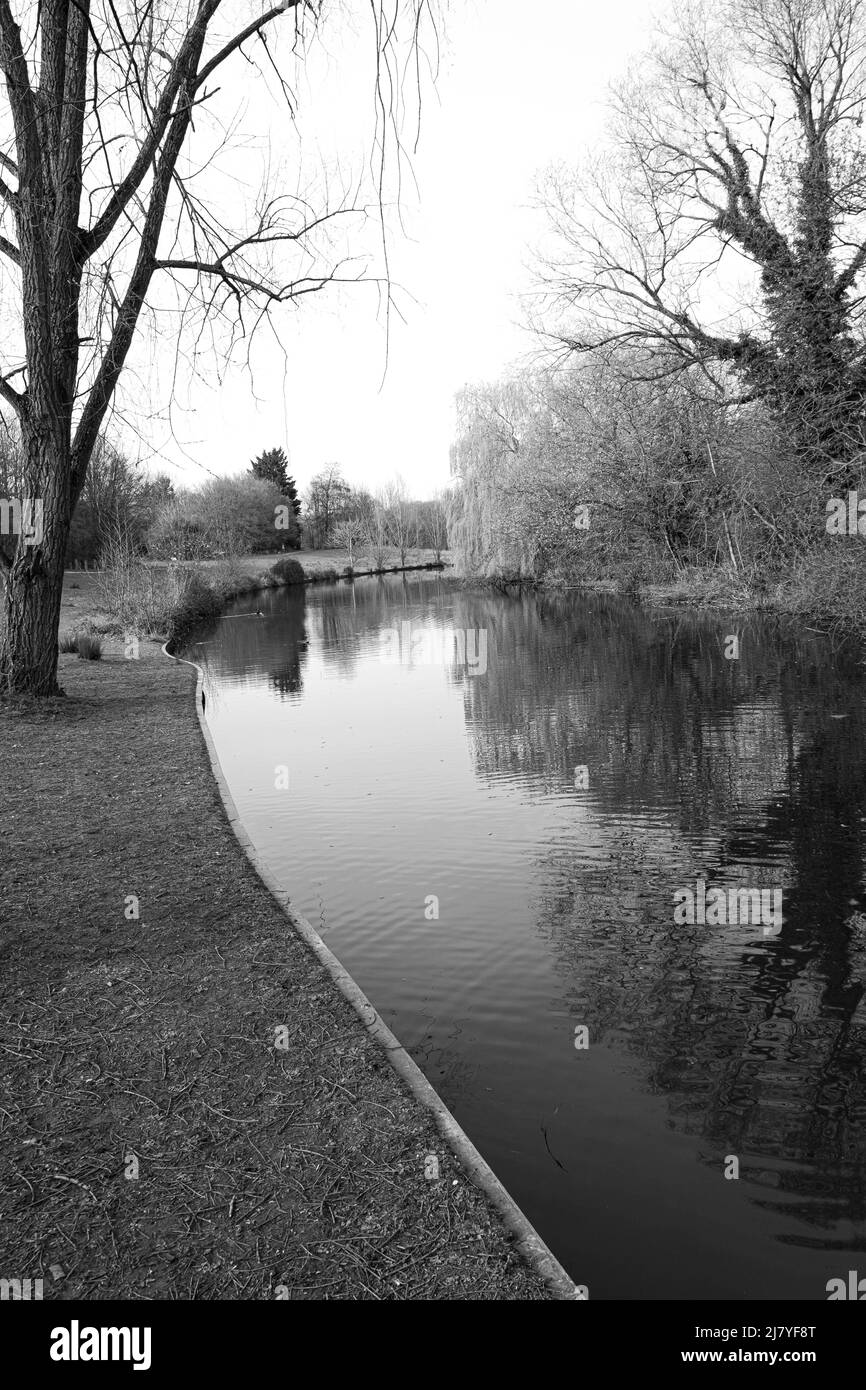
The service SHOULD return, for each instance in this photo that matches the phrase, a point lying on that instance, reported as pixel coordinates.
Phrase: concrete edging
(527, 1240)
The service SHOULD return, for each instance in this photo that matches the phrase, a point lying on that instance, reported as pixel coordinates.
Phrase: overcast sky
(519, 87)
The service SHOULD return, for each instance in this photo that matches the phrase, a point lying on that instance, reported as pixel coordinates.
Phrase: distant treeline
(256, 511)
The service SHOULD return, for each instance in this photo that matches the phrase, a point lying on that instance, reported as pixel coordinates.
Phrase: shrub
(827, 584)
(139, 597)
(328, 575)
(289, 537)
(197, 604)
(228, 580)
(89, 646)
(628, 584)
(227, 516)
(289, 572)
(68, 642)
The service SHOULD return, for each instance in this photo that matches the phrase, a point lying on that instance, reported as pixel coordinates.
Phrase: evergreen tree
(292, 494)
(272, 466)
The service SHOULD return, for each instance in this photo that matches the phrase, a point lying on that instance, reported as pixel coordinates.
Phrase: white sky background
(520, 86)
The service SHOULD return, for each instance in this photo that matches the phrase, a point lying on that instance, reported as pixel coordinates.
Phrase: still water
(546, 787)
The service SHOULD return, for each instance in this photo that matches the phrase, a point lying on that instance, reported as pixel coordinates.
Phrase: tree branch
(21, 98)
(130, 308)
(128, 186)
(11, 396)
(196, 33)
(248, 33)
(846, 278)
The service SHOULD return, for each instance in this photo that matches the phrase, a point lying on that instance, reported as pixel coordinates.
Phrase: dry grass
(314, 561)
(158, 599)
(151, 1042)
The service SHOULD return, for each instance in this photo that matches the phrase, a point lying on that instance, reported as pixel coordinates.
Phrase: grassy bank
(166, 601)
(155, 1141)
(317, 562)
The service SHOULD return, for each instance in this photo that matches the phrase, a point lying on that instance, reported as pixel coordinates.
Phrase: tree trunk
(34, 584)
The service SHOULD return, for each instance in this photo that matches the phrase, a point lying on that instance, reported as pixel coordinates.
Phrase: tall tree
(272, 466)
(401, 517)
(104, 123)
(739, 142)
(327, 502)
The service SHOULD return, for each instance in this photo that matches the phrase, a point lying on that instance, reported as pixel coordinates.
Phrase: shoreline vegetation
(194, 1110)
(833, 607)
(130, 597)
(167, 602)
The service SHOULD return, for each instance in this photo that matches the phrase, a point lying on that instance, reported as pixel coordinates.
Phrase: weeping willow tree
(581, 471)
(484, 538)
(519, 477)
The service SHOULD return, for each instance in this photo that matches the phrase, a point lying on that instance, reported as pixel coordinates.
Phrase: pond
(506, 815)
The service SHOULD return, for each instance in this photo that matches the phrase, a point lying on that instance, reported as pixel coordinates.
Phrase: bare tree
(400, 517)
(103, 115)
(376, 533)
(114, 489)
(740, 141)
(433, 519)
(349, 533)
(327, 499)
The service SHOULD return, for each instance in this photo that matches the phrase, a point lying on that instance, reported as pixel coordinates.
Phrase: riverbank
(830, 600)
(193, 1109)
(167, 601)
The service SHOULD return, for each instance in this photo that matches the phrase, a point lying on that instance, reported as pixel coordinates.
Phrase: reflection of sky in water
(556, 904)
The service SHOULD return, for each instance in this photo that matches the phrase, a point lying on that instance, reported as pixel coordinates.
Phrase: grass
(155, 1143)
(314, 561)
(89, 646)
(159, 599)
(85, 643)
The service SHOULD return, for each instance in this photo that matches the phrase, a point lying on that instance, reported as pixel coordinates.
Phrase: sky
(519, 87)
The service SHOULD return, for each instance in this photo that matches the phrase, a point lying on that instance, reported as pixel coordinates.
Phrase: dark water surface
(411, 779)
